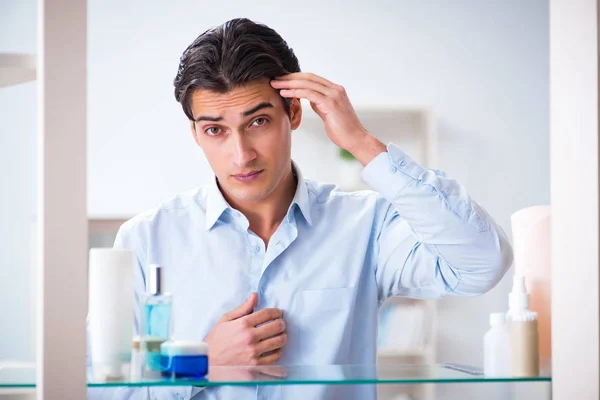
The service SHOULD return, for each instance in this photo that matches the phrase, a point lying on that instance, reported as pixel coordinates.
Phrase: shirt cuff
(390, 172)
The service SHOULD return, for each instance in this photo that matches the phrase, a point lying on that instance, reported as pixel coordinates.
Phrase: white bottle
(496, 355)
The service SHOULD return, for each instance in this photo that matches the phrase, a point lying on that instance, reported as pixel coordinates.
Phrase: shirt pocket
(324, 320)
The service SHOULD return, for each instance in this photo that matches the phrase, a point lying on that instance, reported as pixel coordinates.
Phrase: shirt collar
(216, 203)
(301, 198)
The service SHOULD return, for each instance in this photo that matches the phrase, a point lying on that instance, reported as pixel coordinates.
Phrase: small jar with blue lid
(184, 359)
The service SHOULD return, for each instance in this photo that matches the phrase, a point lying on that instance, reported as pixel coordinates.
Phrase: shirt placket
(256, 248)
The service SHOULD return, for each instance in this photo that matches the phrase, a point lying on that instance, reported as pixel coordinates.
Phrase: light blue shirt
(334, 259)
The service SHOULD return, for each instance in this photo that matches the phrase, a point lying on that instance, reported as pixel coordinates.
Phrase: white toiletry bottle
(137, 360)
(496, 354)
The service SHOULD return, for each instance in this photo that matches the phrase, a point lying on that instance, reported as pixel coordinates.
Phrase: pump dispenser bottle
(523, 332)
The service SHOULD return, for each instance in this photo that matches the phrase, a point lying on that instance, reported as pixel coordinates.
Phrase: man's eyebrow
(205, 118)
(245, 113)
(258, 107)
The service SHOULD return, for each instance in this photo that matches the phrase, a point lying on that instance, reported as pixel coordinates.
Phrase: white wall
(17, 188)
(482, 66)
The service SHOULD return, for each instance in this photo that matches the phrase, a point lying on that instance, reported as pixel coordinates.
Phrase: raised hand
(332, 104)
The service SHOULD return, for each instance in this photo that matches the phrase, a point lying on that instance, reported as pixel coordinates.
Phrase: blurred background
(462, 85)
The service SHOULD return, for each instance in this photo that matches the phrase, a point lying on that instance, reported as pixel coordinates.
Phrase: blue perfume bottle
(157, 318)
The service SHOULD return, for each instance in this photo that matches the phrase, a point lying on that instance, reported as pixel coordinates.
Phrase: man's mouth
(248, 176)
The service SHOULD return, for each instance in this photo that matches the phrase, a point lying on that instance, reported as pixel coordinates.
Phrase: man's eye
(213, 131)
(260, 121)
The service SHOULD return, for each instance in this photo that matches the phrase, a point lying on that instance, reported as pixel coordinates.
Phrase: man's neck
(266, 215)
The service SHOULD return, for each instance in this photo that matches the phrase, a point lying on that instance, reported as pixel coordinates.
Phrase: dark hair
(233, 54)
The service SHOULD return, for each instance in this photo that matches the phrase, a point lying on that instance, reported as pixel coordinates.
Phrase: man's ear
(295, 113)
(194, 133)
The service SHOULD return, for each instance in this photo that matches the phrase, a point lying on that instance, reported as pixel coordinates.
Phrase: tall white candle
(531, 244)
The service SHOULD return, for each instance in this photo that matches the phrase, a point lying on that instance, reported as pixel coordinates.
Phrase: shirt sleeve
(431, 238)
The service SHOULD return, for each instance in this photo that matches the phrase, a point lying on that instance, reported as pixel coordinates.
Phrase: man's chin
(248, 195)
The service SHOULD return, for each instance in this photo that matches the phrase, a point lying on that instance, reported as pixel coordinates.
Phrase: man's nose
(243, 150)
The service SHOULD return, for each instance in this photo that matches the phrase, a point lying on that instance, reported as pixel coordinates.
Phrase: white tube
(111, 299)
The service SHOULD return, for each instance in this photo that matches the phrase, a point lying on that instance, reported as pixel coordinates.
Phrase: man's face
(246, 137)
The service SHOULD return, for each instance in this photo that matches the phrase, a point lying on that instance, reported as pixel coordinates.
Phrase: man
(269, 267)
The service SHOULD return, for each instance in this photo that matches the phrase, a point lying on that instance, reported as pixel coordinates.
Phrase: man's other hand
(243, 337)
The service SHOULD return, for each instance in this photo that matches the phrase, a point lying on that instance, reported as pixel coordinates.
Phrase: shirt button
(393, 169)
(402, 163)
(256, 248)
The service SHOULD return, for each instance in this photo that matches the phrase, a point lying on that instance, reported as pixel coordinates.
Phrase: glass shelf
(296, 375)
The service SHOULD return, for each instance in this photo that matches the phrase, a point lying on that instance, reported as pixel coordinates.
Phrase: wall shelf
(16, 68)
(296, 375)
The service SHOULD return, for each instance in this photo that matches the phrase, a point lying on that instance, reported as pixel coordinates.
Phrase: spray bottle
(523, 331)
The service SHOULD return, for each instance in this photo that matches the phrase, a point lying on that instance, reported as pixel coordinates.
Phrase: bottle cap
(518, 299)
(154, 279)
(497, 319)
